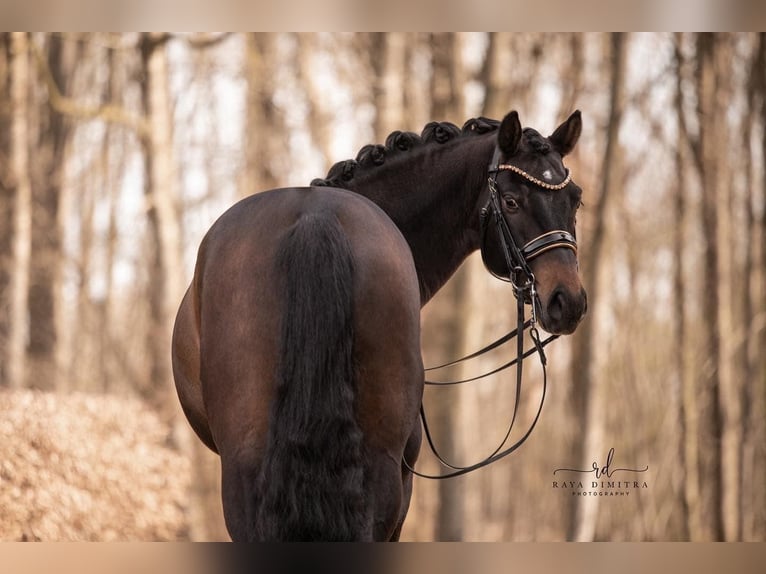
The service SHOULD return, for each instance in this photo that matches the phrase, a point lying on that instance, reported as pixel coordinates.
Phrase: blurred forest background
(118, 151)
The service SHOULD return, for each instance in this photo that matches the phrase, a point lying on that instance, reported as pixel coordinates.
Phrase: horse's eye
(510, 203)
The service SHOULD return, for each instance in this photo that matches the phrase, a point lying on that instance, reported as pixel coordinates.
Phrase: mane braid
(372, 155)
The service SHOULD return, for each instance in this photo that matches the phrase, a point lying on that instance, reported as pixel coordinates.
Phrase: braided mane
(370, 156)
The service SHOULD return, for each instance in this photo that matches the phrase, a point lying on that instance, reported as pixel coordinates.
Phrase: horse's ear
(566, 135)
(509, 135)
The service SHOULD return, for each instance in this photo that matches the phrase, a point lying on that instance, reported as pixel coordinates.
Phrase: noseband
(523, 281)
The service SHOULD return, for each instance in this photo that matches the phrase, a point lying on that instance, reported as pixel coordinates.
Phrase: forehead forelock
(532, 140)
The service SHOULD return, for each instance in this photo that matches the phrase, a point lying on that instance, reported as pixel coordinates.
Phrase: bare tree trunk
(683, 382)
(161, 180)
(759, 412)
(585, 394)
(389, 59)
(111, 178)
(22, 210)
(746, 351)
(574, 81)
(83, 351)
(710, 406)
(687, 407)
(756, 419)
(319, 117)
(265, 126)
(416, 87)
(496, 77)
(54, 131)
(6, 204)
(730, 384)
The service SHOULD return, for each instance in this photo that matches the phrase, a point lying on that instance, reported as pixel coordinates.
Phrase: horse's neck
(433, 200)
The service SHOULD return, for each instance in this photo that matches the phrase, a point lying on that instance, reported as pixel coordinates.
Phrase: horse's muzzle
(563, 310)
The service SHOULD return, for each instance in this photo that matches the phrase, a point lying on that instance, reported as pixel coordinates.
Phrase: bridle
(522, 280)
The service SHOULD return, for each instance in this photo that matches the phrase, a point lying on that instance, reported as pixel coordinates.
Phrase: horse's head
(529, 220)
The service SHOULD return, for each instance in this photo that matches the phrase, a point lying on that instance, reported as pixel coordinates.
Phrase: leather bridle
(523, 282)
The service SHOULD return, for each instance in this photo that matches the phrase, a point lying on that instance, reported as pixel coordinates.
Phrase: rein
(523, 282)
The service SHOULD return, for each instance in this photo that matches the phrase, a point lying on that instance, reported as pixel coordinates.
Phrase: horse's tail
(310, 486)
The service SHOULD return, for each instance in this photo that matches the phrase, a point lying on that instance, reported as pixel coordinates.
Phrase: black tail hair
(311, 483)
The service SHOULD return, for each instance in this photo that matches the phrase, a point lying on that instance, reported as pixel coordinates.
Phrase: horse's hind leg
(406, 495)
(404, 507)
(392, 488)
(385, 484)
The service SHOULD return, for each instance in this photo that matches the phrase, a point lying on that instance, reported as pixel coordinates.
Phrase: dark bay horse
(296, 350)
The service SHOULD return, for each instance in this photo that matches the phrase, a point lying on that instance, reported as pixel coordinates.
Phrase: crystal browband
(533, 179)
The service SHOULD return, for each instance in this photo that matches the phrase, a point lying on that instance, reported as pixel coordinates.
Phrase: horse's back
(273, 266)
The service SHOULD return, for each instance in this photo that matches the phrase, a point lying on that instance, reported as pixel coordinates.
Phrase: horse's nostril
(556, 305)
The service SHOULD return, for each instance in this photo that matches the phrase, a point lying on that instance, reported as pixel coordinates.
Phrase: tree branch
(694, 142)
(203, 41)
(66, 106)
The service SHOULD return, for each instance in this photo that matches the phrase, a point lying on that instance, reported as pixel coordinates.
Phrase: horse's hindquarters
(273, 278)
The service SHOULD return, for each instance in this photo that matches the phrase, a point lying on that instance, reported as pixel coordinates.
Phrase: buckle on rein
(528, 290)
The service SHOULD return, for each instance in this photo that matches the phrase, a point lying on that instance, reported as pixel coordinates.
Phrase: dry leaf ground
(88, 467)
